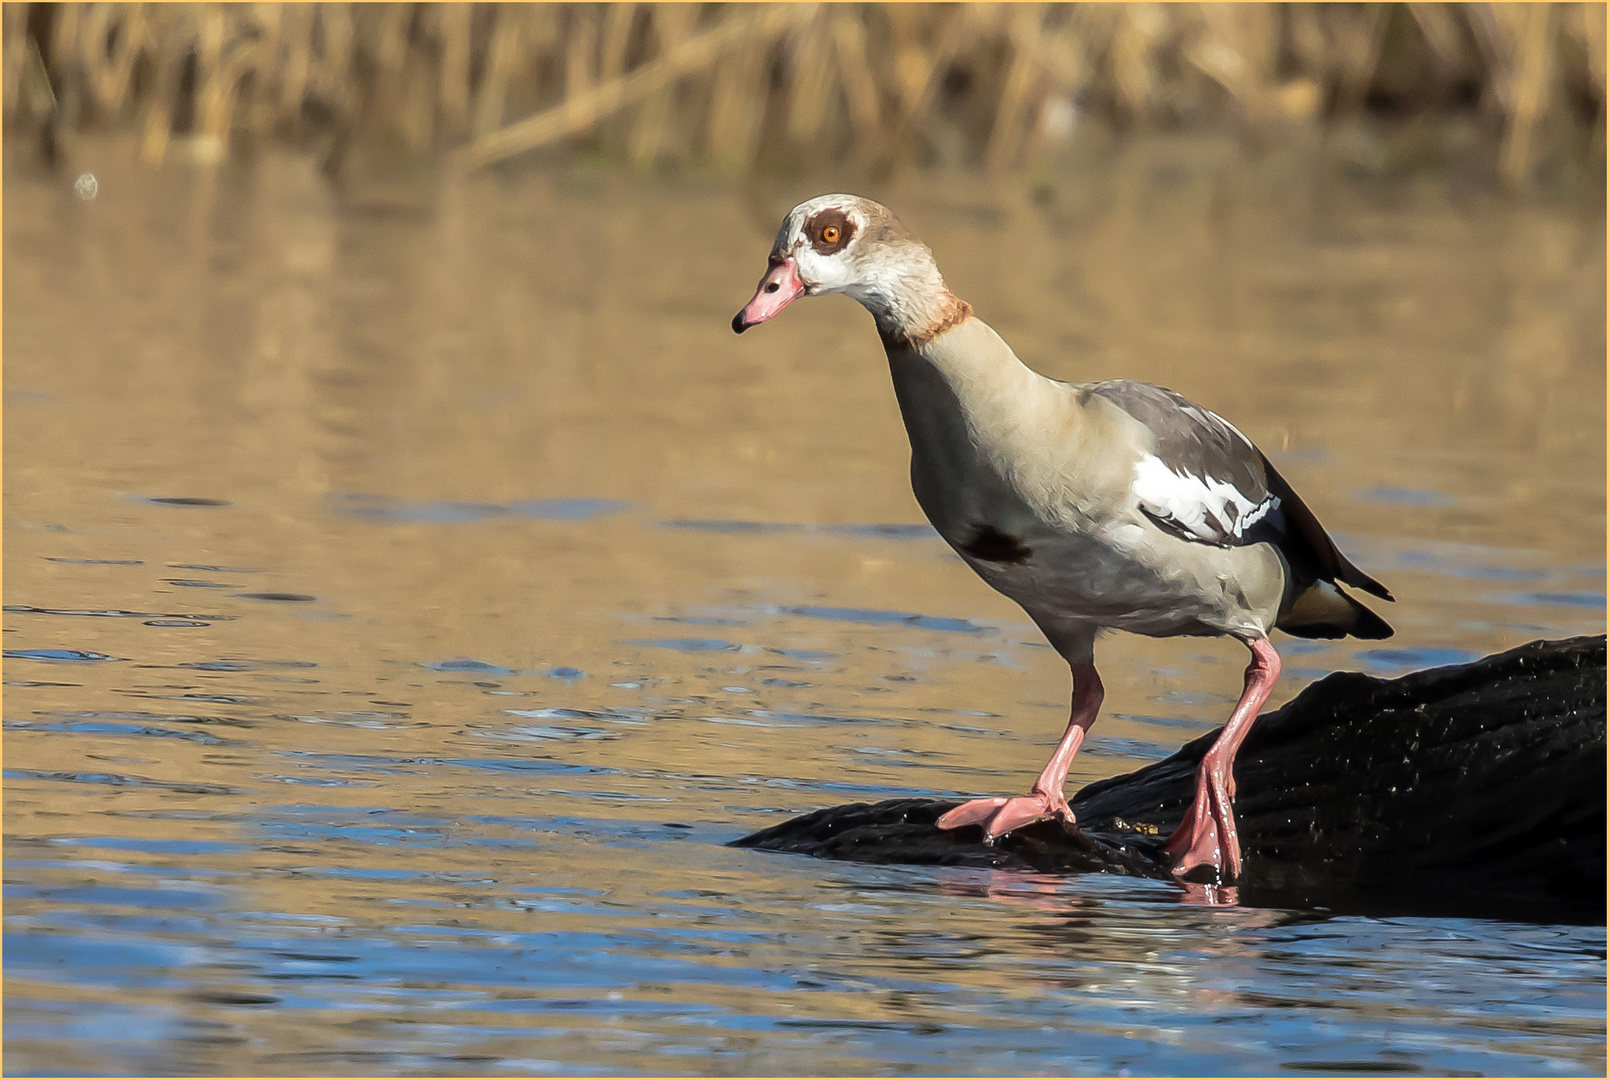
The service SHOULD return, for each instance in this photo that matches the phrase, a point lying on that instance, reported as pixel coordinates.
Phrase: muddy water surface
(409, 590)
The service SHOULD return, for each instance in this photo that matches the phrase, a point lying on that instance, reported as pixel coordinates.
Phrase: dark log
(1476, 789)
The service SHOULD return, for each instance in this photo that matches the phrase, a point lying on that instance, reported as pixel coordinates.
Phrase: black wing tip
(1359, 580)
(1304, 530)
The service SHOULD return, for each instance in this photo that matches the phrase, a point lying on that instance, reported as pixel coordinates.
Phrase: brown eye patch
(829, 231)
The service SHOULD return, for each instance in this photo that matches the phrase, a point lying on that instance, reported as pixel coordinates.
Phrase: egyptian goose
(1109, 505)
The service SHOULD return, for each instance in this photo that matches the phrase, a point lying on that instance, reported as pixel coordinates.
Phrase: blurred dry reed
(738, 87)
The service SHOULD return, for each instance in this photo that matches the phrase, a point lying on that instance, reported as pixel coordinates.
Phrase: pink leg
(1000, 815)
(1206, 836)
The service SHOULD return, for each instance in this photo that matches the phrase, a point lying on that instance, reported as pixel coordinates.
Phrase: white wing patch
(1200, 507)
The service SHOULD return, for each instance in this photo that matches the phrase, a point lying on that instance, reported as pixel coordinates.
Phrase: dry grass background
(741, 87)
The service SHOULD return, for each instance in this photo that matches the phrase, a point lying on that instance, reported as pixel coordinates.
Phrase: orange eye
(830, 234)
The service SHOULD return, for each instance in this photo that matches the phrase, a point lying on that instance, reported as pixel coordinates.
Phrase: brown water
(522, 585)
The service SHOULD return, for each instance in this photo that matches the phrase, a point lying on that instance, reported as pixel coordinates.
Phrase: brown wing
(1194, 442)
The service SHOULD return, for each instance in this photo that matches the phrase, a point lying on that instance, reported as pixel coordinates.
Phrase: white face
(846, 244)
(820, 236)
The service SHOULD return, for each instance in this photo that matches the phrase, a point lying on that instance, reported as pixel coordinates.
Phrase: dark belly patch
(991, 545)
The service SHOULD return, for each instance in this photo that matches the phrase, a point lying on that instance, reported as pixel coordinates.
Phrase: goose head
(854, 246)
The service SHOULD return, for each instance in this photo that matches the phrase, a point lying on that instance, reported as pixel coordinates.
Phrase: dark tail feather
(1323, 610)
(1368, 624)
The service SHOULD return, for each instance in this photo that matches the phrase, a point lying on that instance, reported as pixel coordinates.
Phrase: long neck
(956, 379)
(964, 393)
(907, 297)
(982, 380)
(989, 435)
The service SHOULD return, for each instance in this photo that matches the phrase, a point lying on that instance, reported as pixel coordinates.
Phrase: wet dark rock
(1476, 789)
